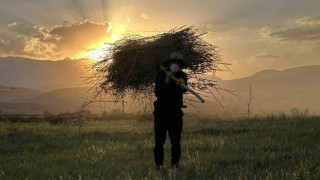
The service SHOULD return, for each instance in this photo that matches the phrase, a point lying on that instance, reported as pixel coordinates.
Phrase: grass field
(262, 148)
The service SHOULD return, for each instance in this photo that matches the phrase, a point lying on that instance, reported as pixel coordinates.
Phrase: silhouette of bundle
(132, 62)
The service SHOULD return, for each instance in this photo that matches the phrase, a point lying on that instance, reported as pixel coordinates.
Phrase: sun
(98, 53)
(100, 50)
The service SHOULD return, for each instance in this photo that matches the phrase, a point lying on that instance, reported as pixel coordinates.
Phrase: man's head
(175, 62)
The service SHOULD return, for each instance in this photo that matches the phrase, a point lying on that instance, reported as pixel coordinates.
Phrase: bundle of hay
(132, 62)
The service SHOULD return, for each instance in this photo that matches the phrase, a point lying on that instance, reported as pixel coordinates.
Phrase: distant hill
(10, 94)
(29, 73)
(25, 108)
(53, 86)
(15, 100)
(28, 85)
(274, 90)
(66, 98)
(25, 100)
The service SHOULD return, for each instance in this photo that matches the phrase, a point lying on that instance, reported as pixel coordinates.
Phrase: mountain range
(34, 86)
(45, 74)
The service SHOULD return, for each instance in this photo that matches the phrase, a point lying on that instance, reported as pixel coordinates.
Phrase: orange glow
(99, 50)
(114, 37)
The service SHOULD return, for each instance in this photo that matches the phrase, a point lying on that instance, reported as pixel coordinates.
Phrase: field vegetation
(272, 147)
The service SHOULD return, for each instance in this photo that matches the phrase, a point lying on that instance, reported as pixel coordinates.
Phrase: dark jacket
(170, 95)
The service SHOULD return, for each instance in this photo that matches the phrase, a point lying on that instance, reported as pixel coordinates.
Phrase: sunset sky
(253, 35)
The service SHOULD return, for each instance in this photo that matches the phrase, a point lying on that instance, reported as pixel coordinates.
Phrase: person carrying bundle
(131, 66)
(167, 108)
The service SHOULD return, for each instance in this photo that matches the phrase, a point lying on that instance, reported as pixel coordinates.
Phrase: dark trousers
(167, 119)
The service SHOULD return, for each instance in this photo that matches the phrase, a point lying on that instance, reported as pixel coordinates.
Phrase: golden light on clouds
(118, 31)
(97, 53)
(114, 37)
(99, 50)
(269, 34)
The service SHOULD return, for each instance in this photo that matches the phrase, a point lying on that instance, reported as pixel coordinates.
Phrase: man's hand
(180, 81)
(169, 75)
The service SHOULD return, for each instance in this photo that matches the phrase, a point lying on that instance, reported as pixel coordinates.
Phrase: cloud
(12, 29)
(12, 24)
(265, 32)
(15, 46)
(204, 28)
(22, 47)
(264, 56)
(305, 29)
(74, 37)
(144, 16)
(308, 21)
(58, 42)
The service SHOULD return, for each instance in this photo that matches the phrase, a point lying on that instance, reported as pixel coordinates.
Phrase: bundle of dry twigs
(132, 62)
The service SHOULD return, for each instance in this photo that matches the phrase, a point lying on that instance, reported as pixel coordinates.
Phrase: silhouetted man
(167, 109)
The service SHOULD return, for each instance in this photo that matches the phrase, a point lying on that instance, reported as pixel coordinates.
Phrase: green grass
(262, 148)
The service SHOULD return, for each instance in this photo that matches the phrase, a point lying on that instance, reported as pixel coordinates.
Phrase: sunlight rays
(100, 50)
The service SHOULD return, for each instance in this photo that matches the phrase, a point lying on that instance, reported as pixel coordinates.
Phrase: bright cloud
(58, 42)
(265, 56)
(305, 29)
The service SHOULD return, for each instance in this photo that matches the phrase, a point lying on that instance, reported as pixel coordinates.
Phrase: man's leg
(175, 130)
(160, 131)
